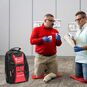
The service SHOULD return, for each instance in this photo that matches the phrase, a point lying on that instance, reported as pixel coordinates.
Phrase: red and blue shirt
(44, 48)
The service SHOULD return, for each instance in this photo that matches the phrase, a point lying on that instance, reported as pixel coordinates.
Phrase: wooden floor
(65, 67)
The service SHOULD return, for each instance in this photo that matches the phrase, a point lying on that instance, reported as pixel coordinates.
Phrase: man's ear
(86, 17)
(44, 20)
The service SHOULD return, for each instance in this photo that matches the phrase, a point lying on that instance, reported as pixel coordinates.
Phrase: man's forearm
(74, 41)
(85, 47)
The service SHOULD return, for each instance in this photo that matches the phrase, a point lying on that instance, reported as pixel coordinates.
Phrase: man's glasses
(50, 20)
(79, 19)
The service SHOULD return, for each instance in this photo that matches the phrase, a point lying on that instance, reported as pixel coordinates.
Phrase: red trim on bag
(20, 76)
(18, 60)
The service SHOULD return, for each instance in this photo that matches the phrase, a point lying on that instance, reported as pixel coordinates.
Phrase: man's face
(49, 21)
(80, 20)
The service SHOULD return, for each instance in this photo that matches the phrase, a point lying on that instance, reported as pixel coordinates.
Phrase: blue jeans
(81, 70)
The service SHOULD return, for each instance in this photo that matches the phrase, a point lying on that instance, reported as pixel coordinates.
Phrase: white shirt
(81, 40)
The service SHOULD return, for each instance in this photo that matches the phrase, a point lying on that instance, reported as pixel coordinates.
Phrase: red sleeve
(35, 39)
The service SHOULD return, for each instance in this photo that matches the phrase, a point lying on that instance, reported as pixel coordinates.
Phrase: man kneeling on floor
(45, 38)
(81, 48)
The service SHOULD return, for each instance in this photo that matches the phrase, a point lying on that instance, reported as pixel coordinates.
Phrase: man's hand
(58, 37)
(77, 49)
(72, 37)
(47, 38)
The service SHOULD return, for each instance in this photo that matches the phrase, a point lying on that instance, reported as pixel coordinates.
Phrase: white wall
(18, 16)
(84, 5)
(21, 24)
(4, 26)
(42, 7)
(66, 15)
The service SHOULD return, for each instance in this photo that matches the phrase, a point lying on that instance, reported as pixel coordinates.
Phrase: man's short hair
(82, 13)
(48, 15)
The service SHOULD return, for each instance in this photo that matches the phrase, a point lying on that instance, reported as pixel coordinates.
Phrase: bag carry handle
(15, 49)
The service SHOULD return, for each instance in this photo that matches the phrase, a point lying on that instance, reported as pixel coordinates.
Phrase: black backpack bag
(16, 66)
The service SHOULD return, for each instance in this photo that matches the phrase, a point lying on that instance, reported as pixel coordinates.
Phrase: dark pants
(81, 70)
